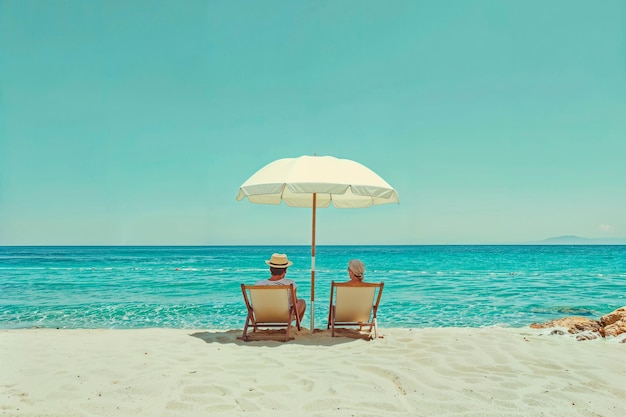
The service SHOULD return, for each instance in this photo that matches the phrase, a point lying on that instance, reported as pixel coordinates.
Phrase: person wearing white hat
(278, 264)
(356, 270)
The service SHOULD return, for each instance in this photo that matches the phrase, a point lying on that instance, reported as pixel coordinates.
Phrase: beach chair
(269, 306)
(352, 305)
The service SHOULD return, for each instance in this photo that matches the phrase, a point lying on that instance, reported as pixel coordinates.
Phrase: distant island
(577, 240)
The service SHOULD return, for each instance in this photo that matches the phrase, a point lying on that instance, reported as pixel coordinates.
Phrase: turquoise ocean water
(199, 287)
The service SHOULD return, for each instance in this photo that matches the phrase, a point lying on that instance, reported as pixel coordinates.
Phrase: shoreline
(488, 371)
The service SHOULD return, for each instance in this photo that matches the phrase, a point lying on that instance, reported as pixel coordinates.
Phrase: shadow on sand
(275, 337)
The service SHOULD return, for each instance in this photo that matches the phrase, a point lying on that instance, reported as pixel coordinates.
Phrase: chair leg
(244, 336)
(330, 316)
(288, 326)
(297, 318)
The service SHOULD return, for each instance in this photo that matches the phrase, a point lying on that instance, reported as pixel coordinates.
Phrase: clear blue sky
(136, 122)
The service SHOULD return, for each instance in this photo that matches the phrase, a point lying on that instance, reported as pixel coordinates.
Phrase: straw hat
(279, 260)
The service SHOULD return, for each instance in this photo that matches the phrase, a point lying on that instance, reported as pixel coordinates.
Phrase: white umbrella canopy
(317, 181)
(345, 183)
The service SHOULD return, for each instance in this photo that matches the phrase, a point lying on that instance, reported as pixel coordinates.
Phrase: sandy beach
(408, 372)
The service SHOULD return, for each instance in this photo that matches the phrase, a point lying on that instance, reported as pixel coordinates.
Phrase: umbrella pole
(313, 265)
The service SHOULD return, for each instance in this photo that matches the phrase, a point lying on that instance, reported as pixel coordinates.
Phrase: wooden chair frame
(366, 319)
(277, 315)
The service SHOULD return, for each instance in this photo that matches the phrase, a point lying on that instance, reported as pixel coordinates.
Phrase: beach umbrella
(317, 182)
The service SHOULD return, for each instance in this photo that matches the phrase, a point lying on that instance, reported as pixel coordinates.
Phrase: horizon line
(562, 240)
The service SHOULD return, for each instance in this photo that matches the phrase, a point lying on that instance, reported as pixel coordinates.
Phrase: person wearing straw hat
(278, 264)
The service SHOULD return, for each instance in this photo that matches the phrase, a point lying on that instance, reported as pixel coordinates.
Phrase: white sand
(420, 372)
